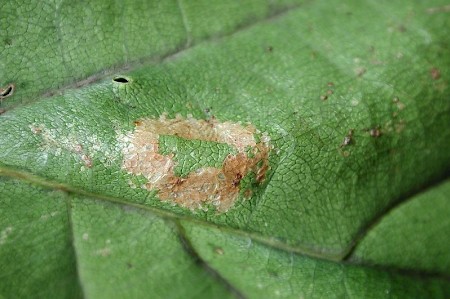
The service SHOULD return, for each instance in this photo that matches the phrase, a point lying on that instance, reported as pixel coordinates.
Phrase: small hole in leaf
(7, 91)
(121, 79)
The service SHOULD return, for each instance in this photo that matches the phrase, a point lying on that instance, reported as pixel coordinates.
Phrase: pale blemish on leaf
(48, 216)
(206, 185)
(348, 139)
(219, 250)
(56, 142)
(439, 9)
(4, 234)
(400, 126)
(375, 132)
(106, 251)
(86, 160)
(399, 104)
(360, 71)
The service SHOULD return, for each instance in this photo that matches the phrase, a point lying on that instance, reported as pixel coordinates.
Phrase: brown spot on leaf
(360, 71)
(36, 129)
(86, 160)
(375, 132)
(435, 73)
(78, 148)
(206, 185)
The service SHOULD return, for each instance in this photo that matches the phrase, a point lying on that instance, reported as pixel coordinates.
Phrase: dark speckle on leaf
(7, 91)
(348, 139)
(121, 79)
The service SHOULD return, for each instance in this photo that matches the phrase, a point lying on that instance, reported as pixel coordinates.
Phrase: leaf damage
(219, 186)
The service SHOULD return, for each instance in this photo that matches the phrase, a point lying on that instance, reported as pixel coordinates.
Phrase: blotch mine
(218, 186)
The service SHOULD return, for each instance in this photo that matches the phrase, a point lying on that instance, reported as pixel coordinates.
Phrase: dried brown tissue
(206, 185)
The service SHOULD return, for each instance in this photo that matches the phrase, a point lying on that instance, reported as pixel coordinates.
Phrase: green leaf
(415, 235)
(209, 150)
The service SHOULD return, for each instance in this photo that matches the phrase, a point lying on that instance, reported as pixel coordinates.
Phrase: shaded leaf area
(321, 190)
(415, 235)
(115, 250)
(56, 240)
(268, 273)
(44, 45)
(36, 256)
(125, 253)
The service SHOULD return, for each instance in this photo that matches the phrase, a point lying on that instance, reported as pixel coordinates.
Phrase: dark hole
(121, 80)
(8, 91)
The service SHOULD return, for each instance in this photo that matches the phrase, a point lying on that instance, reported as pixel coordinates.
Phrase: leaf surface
(332, 118)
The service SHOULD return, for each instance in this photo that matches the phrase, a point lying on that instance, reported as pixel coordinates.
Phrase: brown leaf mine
(206, 185)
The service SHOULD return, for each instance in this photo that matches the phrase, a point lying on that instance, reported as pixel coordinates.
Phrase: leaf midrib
(342, 257)
(164, 214)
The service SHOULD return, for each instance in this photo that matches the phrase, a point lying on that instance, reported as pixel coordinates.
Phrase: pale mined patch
(218, 186)
(58, 142)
